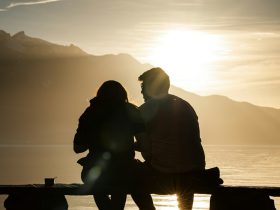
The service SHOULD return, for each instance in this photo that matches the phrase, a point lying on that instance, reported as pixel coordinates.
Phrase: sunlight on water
(81, 203)
(168, 202)
(201, 202)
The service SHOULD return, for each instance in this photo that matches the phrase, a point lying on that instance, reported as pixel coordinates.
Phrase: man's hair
(157, 78)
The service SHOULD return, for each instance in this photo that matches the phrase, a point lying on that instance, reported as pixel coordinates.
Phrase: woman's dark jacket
(106, 129)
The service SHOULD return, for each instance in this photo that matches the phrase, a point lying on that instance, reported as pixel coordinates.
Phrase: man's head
(155, 83)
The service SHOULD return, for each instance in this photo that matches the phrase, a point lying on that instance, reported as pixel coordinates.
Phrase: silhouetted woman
(106, 129)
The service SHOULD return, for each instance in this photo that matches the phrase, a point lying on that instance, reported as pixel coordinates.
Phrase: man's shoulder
(149, 109)
(131, 106)
(176, 99)
(179, 100)
(155, 103)
(183, 106)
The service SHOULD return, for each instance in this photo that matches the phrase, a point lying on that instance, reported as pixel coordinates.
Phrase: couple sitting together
(164, 129)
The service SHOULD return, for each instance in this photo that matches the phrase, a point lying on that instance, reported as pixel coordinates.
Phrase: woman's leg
(144, 201)
(103, 202)
(118, 201)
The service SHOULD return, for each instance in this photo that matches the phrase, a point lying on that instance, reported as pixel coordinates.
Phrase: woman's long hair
(112, 91)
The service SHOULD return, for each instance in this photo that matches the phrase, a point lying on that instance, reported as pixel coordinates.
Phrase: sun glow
(186, 56)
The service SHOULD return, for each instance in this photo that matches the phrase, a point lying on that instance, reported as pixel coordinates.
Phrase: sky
(223, 47)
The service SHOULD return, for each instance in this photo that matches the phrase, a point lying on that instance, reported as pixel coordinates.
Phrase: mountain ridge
(20, 45)
(43, 97)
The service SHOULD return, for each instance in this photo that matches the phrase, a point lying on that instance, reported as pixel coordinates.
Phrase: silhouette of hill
(225, 121)
(44, 87)
(22, 46)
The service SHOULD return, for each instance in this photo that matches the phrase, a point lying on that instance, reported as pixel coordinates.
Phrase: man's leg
(141, 175)
(185, 200)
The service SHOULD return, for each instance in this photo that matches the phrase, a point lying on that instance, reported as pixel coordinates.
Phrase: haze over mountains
(44, 88)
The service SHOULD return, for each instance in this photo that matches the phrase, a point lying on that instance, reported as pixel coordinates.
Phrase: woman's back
(106, 129)
(111, 129)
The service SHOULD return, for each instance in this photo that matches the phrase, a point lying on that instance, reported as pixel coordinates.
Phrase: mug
(49, 182)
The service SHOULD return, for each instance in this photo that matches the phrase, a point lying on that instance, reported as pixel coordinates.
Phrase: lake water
(239, 165)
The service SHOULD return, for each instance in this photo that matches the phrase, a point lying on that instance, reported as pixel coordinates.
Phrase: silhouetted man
(171, 144)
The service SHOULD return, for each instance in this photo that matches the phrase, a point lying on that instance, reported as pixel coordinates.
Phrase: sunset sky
(224, 47)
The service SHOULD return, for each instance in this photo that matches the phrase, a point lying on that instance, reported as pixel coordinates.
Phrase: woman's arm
(82, 136)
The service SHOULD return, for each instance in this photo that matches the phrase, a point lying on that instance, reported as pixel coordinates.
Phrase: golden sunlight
(186, 55)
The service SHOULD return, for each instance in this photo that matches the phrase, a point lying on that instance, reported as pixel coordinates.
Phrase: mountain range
(44, 88)
(21, 46)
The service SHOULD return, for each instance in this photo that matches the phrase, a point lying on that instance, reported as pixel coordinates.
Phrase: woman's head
(112, 91)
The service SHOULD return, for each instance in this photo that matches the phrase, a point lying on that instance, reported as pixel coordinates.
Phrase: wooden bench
(224, 197)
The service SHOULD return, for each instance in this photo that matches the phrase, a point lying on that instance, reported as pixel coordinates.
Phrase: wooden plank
(272, 191)
(66, 189)
(80, 189)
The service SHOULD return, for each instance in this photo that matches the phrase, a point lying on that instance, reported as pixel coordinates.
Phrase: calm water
(239, 165)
